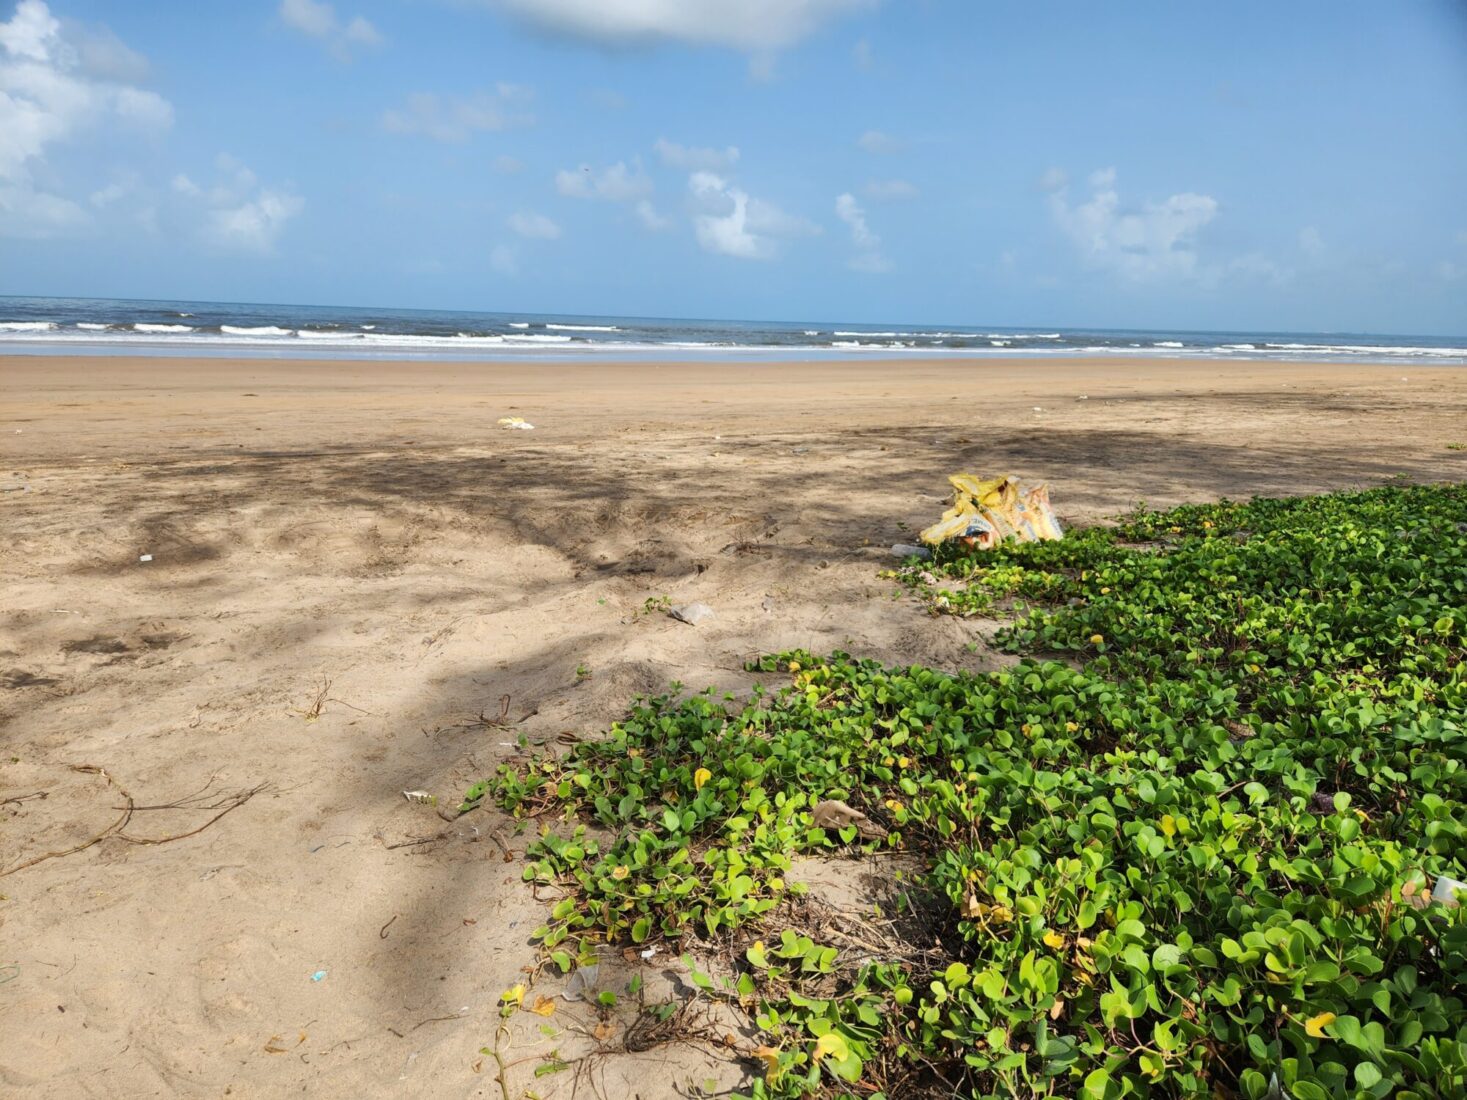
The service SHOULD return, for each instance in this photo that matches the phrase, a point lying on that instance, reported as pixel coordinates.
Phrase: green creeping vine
(1195, 866)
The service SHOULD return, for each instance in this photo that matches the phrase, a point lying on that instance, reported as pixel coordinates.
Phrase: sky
(1240, 166)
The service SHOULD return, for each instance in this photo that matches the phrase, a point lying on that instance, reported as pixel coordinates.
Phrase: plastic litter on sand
(692, 613)
(999, 509)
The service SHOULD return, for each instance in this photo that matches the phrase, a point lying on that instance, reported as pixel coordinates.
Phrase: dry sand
(350, 564)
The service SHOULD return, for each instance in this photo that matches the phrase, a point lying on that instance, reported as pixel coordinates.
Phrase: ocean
(115, 326)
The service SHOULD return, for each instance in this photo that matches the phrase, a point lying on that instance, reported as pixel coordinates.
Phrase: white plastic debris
(582, 984)
(651, 951)
(692, 613)
(908, 550)
(421, 797)
(145, 557)
(515, 423)
(1446, 891)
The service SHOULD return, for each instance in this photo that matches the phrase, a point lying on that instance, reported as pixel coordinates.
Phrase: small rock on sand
(692, 613)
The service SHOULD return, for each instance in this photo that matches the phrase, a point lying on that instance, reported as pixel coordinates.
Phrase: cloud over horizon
(240, 214)
(729, 222)
(455, 119)
(754, 25)
(868, 256)
(692, 158)
(615, 183)
(318, 20)
(57, 87)
(1150, 241)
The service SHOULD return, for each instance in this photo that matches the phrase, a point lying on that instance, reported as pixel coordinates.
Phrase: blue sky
(1297, 166)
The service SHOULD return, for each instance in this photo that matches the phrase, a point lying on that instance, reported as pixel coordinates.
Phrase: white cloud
(693, 159)
(1155, 240)
(879, 143)
(254, 225)
(868, 256)
(870, 263)
(318, 20)
(101, 54)
(502, 259)
(1054, 179)
(850, 212)
(649, 217)
(732, 223)
(507, 165)
(1448, 270)
(113, 192)
(239, 214)
(56, 85)
(536, 226)
(617, 183)
(455, 119)
(747, 25)
(887, 190)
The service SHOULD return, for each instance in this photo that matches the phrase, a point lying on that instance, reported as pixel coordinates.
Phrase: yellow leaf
(1001, 914)
(544, 1006)
(770, 1057)
(701, 776)
(1054, 939)
(1315, 1025)
(1096, 639)
(514, 995)
(1168, 824)
(971, 907)
(831, 1045)
(620, 872)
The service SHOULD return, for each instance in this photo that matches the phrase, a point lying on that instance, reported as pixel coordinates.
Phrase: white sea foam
(1238, 347)
(92, 326)
(519, 324)
(143, 326)
(411, 340)
(999, 343)
(317, 334)
(1167, 344)
(27, 326)
(1370, 349)
(584, 328)
(536, 338)
(812, 332)
(255, 330)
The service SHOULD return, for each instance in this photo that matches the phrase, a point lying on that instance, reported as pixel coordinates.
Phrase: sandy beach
(358, 585)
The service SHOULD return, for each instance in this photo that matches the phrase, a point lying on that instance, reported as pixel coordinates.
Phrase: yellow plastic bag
(987, 512)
